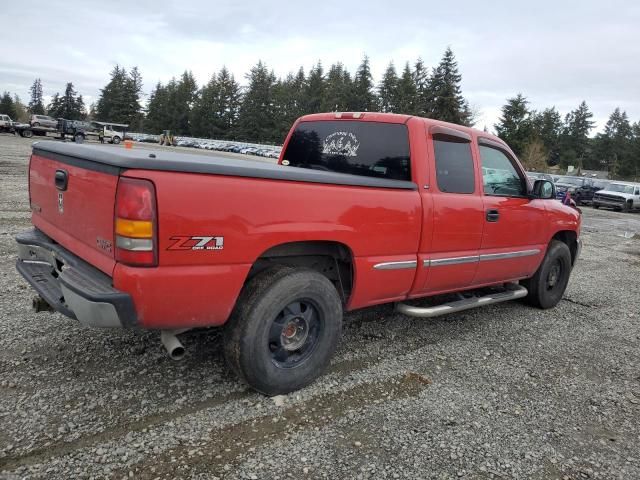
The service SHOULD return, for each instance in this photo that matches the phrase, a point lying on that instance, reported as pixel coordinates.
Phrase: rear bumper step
(70, 285)
(513, 292)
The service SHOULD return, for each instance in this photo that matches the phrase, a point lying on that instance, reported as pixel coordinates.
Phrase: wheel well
(334, 260)
(571, 239)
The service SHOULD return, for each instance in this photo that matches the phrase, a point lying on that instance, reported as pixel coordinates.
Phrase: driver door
(514, 233)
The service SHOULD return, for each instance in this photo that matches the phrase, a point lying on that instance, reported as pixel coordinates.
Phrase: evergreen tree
(182, 101)
(363, 98)
(514, 126)
(314, 90)
(69, 106)
(614, 147)
(575, 143)
(290, 101)
(215, 110)
(257, 121)
(407, 95)
(158, 115)
(36, 104)
(120, 99)
(338, 89)
(7, 106)
(445, 94)
(635, 150)
(388, 90)
(547, 126)
(421, 81)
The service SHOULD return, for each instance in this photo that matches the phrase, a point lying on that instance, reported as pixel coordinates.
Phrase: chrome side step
(513, 292)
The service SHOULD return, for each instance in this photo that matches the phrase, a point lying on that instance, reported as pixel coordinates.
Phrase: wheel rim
(294, 333)
(554, 277)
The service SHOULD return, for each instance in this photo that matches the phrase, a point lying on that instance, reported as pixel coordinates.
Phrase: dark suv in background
(581, 189)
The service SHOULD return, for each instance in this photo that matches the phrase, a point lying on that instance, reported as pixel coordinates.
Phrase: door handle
(61, 179)
(493, 215)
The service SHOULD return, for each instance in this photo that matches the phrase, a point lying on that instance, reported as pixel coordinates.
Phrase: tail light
(136, 223)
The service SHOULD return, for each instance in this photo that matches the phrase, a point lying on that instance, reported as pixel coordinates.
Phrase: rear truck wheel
(26, 133)
(284, 329)
(78, 138)
(115, 140)
(548, 284)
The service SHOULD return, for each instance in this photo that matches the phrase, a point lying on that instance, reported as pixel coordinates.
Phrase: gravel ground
(501, 392)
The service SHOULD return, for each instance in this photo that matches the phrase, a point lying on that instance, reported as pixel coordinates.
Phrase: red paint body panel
(87, 209)
(192, 288)
(182, 296)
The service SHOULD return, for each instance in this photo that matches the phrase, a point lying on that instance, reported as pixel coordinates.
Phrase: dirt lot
(501, 392)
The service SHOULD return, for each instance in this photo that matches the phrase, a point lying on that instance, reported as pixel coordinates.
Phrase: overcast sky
(554, 52)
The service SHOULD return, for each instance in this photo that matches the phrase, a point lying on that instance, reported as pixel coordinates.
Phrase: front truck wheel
(548, 284)
(284, 329)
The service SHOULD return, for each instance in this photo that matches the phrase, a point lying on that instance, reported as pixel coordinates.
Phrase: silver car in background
(43, 121)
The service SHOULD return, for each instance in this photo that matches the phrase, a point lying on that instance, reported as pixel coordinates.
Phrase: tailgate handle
(61, 179)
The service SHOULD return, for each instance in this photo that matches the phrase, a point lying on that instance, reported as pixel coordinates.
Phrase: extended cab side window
(499, 176)
(455, 172)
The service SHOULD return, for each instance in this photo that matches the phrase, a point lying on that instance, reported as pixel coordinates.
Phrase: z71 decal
(196, 243)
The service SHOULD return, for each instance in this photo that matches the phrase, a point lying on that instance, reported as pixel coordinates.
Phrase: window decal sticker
(341, 143)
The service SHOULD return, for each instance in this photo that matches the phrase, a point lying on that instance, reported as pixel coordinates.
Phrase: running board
(514, 291)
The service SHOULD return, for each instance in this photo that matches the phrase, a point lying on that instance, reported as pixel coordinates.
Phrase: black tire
(78, 138)
(260, 345)
(35, 124)
(26, 133)
(548, 284)
(628, 206)
(115, 140)
(596, 205)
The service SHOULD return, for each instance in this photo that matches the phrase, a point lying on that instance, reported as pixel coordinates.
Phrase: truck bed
(115, 160)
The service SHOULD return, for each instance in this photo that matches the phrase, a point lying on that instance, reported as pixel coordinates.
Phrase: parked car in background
(581, 189)
(43, 121)
(533, 176)
(619, 196)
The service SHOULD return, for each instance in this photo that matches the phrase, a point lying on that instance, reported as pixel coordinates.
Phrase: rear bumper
(70, 285)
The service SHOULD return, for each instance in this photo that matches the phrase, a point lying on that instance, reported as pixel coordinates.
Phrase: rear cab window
(369, 149)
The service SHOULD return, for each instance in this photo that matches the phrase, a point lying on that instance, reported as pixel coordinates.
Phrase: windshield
(618, 187)
(571, 181)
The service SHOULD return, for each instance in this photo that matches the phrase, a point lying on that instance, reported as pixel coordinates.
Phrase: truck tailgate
(73, 203)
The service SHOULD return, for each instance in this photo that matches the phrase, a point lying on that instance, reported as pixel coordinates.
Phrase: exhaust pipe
(39, 304)
(174, 348)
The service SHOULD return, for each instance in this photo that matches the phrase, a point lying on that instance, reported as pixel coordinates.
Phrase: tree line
(264, 109)
(544, 138)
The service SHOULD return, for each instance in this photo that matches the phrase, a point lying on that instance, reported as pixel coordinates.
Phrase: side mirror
(544, 189)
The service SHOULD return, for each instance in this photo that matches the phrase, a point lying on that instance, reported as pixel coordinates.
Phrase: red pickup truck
(361, 209)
